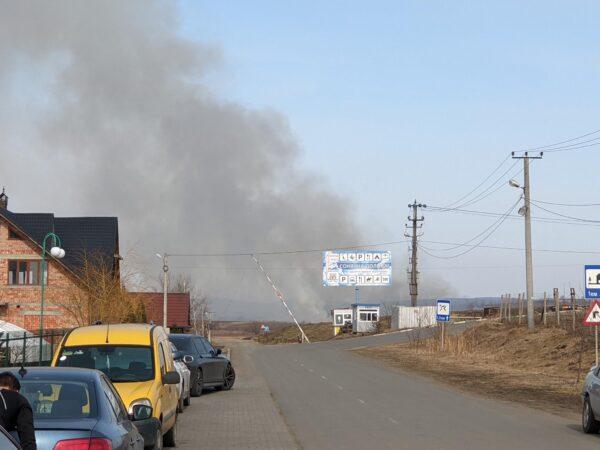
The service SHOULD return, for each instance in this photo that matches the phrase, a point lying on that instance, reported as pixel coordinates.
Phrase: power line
(496, 225)
(480, 184)
(499, 247)
(501, 218)
(437, 209)
(563, 142)
(567, 204)
(564, 215)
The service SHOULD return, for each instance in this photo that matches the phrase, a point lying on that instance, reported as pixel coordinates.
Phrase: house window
(12, 234)
(25, 272)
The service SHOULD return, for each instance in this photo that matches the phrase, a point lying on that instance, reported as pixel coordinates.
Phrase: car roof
(64, 373)
(124, 334)
(183, 335)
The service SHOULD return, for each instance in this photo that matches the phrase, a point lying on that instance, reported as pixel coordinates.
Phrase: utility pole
(527, 213)
(413, 272)
(165, 288)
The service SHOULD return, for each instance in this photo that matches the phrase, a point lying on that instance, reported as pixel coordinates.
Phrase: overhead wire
(566, 204)
(580, 219)
(565, 142)
(480, 184)
(496, 226)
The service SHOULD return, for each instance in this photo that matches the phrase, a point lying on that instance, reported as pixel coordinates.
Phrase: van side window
(161, 358)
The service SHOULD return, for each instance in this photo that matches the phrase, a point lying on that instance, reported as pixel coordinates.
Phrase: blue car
(79, 409)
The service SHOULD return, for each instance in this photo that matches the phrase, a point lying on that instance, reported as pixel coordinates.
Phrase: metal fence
(23, 347)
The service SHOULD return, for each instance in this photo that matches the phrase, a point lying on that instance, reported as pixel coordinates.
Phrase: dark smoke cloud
(106, 102)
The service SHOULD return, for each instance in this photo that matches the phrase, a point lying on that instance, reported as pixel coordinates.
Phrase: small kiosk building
(364, 317)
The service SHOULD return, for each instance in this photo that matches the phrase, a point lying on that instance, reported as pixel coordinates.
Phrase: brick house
(178, 309)
(21, 237)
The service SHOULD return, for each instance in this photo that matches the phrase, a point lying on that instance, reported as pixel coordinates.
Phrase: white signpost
(443, 315)
(592, 318)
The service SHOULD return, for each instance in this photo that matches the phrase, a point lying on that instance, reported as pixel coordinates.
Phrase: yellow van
(137, 359)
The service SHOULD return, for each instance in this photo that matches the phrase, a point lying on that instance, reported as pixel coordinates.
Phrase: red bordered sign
(592, 316)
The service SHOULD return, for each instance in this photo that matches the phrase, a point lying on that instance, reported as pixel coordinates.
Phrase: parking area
(244, 418)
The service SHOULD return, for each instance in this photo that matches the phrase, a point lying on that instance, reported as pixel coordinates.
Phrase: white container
(413, 317)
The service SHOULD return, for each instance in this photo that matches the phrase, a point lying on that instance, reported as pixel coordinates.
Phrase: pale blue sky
(393, 100)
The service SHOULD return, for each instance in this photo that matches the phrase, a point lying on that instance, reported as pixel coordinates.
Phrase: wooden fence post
(573, 307)
(501, 306)
(545, 309)
(509, 307)
(556, 305)
(520, 303)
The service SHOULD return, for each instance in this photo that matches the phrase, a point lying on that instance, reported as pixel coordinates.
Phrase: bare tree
(100, 295)
(199, 303)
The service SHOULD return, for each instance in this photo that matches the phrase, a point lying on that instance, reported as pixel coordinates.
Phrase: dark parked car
(208, 367)
(7, 442)
(79, 409)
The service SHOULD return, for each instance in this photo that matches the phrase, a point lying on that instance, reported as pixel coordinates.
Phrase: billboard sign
(357, 268)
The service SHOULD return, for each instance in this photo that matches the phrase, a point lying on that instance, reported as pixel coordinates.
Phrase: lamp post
(165, 287)
(56, 252)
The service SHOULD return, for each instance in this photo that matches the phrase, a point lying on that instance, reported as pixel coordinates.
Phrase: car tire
(187, 399)
(180, 405)
(198, 386)
(158, 441)
(170, 437)
(588, 421)
(228, 379)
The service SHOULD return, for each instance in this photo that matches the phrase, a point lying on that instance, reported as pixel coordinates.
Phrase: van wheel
(198, 385)
(170, 437)
(186, 400)
(180, 405)
(589, 423)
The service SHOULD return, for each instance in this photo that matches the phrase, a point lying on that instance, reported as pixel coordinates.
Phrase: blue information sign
(592, 281)
(443, 311)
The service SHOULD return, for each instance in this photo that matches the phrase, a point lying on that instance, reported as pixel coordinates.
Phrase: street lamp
(165, 282)
(58, 253)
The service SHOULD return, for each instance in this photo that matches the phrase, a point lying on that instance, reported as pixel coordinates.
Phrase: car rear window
(120, 363)
(60, 400)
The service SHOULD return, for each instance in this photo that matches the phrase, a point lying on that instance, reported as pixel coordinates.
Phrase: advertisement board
(357, 268)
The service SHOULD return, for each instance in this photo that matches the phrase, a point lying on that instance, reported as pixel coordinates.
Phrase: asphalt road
(331, 398)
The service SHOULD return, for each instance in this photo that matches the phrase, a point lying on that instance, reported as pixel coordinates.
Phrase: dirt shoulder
(544, 369)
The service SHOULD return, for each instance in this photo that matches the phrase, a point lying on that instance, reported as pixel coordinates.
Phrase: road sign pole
(443, 329)
(596, 333)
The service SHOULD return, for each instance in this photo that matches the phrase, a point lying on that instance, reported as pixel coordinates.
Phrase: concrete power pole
(165, 288)
(528, 256)
(413, 272)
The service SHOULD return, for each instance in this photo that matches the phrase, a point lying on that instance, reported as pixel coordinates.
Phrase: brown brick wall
(24, 301)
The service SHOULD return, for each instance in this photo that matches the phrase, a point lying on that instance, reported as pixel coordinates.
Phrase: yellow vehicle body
(162, 397)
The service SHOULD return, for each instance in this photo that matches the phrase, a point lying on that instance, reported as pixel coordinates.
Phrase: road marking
(341, 388)
(358, 348)
(361, 401)
(394, 421)
(323, 377)
(311, 370)
(404, 331)
(301, 365)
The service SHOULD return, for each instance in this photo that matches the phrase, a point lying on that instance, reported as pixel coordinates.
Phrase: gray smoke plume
(105, 112)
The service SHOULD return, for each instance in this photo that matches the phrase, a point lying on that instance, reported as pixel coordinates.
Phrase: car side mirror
(171, 378)
(141, 412)
(188, 359)
(218, 352)
(177, 356)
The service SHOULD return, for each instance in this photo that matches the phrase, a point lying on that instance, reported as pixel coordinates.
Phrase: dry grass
(544, 368)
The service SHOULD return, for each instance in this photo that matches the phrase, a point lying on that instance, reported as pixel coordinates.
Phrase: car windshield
(60, 400)
(120, 363)
(183, 343)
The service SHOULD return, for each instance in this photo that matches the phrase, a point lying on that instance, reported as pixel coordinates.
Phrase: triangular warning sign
(592, 316)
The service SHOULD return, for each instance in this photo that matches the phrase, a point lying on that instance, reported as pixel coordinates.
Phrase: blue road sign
(592, 281)
(443, 311)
